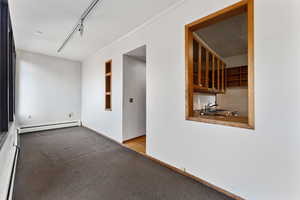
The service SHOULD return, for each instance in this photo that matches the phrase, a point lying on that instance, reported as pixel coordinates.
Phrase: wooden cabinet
(209, 69)
(206, 71)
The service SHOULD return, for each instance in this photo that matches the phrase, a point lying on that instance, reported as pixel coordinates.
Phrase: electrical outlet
(71, 115)
(183, 169)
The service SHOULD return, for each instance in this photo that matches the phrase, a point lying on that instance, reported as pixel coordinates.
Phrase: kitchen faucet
(210, 106)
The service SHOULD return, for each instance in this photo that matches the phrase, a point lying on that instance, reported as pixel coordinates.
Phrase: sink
(218, 112)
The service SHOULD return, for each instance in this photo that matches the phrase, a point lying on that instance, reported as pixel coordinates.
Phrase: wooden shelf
(233, 79)
(237, 76)
(108, 75)
(239, 123)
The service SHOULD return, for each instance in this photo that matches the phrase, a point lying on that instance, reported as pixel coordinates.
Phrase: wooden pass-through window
(219, 52)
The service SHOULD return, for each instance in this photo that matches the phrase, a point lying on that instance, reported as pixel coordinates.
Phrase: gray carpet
(78, 164)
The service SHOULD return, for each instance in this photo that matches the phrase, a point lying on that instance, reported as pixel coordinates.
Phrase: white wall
(48, 89)
(7, 153)
(134, 114)
(235, 98)
(258, 164)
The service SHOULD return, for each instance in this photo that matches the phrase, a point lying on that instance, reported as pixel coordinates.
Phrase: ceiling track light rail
(80, 24)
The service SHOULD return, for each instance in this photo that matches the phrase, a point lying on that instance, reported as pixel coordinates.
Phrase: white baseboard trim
(50, 126)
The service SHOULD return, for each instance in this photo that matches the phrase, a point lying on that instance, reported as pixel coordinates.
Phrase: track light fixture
(80, 24)
(81, 28)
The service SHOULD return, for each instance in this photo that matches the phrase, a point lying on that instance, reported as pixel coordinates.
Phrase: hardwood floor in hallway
(137, 144)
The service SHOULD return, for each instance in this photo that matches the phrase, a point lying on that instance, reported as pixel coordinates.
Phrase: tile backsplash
(203, 99)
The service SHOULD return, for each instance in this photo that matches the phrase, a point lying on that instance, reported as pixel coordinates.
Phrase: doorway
(134, 99)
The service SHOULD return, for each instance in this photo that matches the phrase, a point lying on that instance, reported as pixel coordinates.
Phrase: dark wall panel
(3, 67)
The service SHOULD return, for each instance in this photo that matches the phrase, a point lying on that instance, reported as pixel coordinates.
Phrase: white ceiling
(227, 38)
(55, 19)
(139, 53)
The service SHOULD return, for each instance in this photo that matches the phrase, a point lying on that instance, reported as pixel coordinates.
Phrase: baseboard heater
(43, 127)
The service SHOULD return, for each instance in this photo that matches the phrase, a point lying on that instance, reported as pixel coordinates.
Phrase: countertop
(238, 121)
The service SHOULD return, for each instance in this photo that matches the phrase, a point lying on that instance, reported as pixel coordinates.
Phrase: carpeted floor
(78, 164)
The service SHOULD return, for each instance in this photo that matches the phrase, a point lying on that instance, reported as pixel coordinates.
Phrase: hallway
(137, 144)
(78, 164)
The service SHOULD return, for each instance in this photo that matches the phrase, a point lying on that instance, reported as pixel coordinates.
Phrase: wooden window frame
(233, 10)
(108, 87)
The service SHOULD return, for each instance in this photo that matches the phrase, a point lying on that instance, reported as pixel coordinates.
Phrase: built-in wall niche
(108, 85)
(214, 83)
